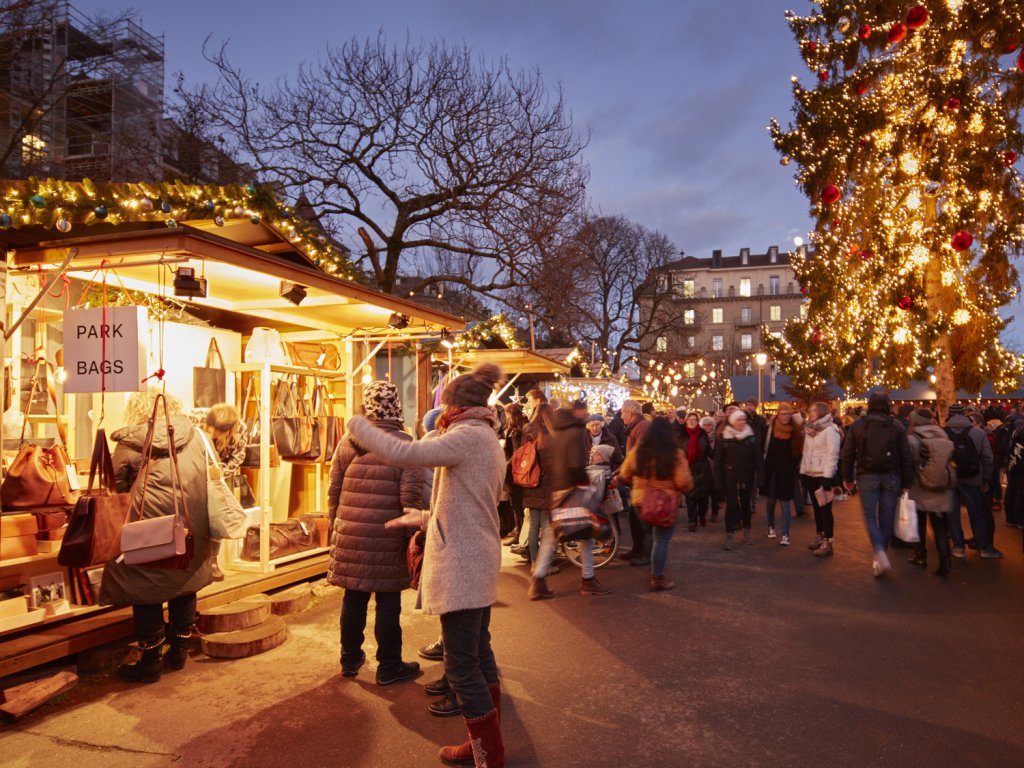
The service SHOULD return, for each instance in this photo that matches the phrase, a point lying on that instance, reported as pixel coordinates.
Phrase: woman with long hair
(657, 463)
(227, 435)
(536, 501)
(513, 436)
(784, 446)
(818, 468)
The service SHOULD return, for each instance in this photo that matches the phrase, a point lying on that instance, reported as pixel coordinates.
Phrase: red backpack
(525, 468)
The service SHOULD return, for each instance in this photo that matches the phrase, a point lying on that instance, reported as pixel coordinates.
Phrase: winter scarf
(693, 446)
(782, 431)
(453, 414)
(812, 428)
(728, 433)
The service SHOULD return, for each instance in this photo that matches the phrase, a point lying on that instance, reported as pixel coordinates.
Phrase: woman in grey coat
(147, 589)
(365, 492)
(462, 555)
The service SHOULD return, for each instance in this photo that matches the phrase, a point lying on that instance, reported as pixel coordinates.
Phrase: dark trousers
(515, 500)
(738, 504)
(149, 619)
(940, 531)
(824, 523)
(639, 531)
(387, 629)
(697, 506)
(1013, 503)
(468, 659)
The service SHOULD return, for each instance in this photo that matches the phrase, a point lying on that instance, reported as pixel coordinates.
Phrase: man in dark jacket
(876, 459)
(568, 453)
(971, 482)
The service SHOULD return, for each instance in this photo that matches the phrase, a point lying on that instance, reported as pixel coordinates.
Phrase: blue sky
(676, 95)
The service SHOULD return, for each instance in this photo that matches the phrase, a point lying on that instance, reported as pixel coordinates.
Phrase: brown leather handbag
(93, 535)
(38, 476)
(296, 432)
(318, 355)
(252, 446)
(209, 382)
(286, 538)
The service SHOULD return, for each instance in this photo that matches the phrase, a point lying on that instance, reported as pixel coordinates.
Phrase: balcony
(746, 322)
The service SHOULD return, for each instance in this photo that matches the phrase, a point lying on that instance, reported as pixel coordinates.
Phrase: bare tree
(599, 288)
(422, 146)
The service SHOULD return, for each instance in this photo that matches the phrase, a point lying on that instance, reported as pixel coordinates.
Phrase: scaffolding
(80, 97)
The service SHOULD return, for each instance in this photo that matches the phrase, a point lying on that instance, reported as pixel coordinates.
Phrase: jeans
(879, 495)
(696, 507)
(787, 514)
(542, 565)
(659, 550)
(540, 522)
(387, 629)
(468, 659)
(970, 497)
(824, 522)
(149, 619)
(738, 505)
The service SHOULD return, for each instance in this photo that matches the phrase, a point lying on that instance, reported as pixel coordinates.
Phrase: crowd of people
(482, 474)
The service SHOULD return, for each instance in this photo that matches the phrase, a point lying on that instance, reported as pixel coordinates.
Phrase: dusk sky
(676, 95)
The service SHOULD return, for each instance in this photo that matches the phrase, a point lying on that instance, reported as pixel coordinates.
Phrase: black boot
(146, 669)
(180, 643)
(920, 557)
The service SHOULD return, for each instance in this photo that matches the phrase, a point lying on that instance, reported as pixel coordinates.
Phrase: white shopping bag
(906, 520)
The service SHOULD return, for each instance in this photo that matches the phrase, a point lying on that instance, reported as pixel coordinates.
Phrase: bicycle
(604, 549)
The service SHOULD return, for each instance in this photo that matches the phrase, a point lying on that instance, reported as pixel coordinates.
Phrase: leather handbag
(252, 446)
(286, 538)
(571, 516)
(164, 541)
(659, 507)
(296, 431)
(227, 517)
(414, 552)
(93, 535)
(330, 427)
(317, 355)
(38, 475)
(209, 382)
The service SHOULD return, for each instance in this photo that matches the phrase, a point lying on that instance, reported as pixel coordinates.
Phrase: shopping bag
(227, 516)
(906, 520)
(209, 382)
(823, 497)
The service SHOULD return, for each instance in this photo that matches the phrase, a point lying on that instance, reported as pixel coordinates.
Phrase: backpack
(965, 453)
(659, 507)
(933, 471)
(525, 467)
(877, 448)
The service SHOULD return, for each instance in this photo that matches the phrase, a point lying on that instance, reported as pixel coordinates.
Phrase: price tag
(72, 477)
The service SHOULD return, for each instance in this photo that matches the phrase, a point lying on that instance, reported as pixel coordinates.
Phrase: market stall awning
(240, 277)
(511, 361)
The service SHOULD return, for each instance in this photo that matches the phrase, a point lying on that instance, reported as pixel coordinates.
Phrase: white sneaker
(771, 533)
(784, 541)
(881, 563)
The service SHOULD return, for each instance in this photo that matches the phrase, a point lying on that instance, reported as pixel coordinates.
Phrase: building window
(33, 149)
(744, 286)
(748, 368)
(717, 343)
(716, 288)
(663, 283)
(661, 344)
(689, 288)
(689, 317)
(716, 315)
(746, 341)
(773, 285)
(691, 342)
(775, 312)
(690, 370)
(745, 315)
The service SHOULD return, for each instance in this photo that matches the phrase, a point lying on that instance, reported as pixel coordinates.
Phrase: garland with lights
(907, 146)
(495, 327)
(63, 205)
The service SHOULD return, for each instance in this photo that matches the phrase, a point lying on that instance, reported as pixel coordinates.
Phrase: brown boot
(592, 586)
(485, 746)
(539, 589)
(659, 583)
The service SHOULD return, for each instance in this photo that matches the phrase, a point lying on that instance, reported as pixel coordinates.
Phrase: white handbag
(265, 346)
(226, 514)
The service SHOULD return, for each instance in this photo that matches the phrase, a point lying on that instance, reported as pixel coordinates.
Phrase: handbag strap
(102, 464)
(62, 433)
(213, 354)
(283, 386)
(177, 492)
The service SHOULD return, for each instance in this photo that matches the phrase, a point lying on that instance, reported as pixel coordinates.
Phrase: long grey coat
(365, 491)
(138, 585)
(463, 551)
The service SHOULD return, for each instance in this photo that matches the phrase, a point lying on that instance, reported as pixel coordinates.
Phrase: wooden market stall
(261, 267)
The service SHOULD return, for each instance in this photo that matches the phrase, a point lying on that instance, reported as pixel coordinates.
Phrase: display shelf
(297, 370)
(42, 557)
(255, 566)
(73, 612)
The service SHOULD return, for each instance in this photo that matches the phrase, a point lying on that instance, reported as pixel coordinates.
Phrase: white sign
(105, 349)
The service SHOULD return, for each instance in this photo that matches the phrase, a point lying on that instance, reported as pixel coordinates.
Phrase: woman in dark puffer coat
(364, 493)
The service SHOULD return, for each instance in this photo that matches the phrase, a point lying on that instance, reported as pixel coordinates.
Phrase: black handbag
(296, 431)
(209, 384)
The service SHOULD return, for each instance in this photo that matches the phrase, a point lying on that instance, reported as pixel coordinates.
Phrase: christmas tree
(907, 147)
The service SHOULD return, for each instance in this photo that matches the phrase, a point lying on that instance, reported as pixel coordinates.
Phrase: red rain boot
(463, 754)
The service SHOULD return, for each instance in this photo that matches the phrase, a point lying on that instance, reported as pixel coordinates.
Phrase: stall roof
(244, 274)
(511, 361)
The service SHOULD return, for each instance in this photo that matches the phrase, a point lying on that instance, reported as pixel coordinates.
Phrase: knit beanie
(785, 408)
(736, 415)
(922, 416)
(430, 419)
(957, 409)
(381, 402)
(472, 389)
(707, 421)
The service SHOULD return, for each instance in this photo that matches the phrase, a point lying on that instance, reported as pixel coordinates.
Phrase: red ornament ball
(897, 32)
(1011, 46)
(822, 75)
(818, 336)
(812, 46)
(803, 289)
(917, 16)
(962, 240)
(867, 254)
(905, 302)
(830, 194)
(1009, 157)
(862, 88)
(953, 104)
(864, 32)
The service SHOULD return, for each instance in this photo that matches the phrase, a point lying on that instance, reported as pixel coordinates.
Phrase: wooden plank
(22, 699)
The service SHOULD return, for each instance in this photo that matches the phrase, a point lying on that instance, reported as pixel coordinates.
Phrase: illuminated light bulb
(901, 336)
(367, 378)
(948, 277)
(909, 163)
(977, 123)
(961, 317)
(913, 201)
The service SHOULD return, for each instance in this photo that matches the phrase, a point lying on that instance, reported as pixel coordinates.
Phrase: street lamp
(760, 358)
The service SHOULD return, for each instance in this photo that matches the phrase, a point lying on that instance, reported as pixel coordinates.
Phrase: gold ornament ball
(988, 39)
(843, 25)
(784, 160)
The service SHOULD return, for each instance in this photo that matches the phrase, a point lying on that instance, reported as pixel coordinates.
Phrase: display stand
(265, 372)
